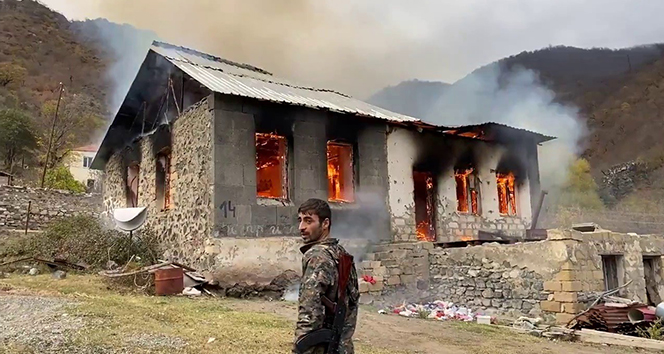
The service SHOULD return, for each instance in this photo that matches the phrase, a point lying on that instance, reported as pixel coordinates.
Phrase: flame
(465, 191)
(270, 165)
(340, 172)
(425, 228)
(506, 193)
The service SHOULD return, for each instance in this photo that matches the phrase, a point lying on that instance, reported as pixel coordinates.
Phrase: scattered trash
(33, 271)
(486, 320)
(527, 323)
(191, 292)
(382, 312)
(59, 274)
(212, 339)
(369, 279)
(438, 310)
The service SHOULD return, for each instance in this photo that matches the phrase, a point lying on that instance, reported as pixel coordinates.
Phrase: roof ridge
(268, 81)
(212, 57)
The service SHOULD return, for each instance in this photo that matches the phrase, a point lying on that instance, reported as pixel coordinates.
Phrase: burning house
(222, 153)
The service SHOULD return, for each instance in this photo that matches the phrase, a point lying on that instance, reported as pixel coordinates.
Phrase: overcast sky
(360, 46)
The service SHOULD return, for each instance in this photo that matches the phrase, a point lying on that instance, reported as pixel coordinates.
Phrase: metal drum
(169, 281)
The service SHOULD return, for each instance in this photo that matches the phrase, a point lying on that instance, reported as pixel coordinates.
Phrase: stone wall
(47, 205)
(581, 279)
(185, 227)
(555, 279)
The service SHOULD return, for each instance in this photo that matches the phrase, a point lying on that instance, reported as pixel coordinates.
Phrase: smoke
(363, 225)
(516, 97)
(337, 46)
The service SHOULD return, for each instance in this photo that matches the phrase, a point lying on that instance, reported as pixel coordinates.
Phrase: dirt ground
(413, 335)
(82, 315)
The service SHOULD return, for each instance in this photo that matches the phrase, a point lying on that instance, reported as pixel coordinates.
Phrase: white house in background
(79, 165)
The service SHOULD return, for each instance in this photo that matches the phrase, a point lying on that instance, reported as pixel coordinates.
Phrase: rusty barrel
(169, 281)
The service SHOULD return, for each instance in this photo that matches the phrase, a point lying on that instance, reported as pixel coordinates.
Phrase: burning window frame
(425, 229)
(163, 178)
(506, 183)
(131, 194)
(468, 193)
(261, 140)
(342, 188)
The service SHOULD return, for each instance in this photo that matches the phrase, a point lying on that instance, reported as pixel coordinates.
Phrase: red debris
(369, 279)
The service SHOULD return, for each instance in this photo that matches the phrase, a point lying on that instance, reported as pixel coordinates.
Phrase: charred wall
(444, 157)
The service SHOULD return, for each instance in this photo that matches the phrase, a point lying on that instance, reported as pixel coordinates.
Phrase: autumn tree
(11, 73)
(17, 136)
(580, 189)
(77, 121)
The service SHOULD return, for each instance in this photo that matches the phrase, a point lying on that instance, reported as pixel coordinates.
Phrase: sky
(361, 46)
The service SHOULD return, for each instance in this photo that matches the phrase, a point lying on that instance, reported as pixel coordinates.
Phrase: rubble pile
(438, 310)
(615, 318)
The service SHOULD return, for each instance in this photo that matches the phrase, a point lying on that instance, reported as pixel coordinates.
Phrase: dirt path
(432, 337)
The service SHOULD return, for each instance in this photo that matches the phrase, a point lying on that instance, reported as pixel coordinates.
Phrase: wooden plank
(598, 337)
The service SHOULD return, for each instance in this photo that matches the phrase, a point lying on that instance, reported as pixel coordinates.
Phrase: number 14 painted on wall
(227, 207)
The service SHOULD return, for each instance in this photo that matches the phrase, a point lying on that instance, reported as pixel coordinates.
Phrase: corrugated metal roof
(542, 137)
(230, 78)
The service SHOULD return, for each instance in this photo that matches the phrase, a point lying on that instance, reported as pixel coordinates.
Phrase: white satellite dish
(130, 219)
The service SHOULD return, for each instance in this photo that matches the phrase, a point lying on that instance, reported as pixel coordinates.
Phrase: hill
(38, 42)
(619, 95)
(413, 97)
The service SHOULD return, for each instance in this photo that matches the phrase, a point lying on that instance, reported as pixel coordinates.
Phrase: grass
(111, 318)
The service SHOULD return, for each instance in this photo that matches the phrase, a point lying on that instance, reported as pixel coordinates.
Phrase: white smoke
(517, 98)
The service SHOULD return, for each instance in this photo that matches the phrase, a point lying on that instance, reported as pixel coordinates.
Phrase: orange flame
(465, 191)
(425, 230)
(270, 165)
(340, 172)
(506, 193)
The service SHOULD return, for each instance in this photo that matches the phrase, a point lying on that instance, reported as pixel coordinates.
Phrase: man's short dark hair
(317, 207)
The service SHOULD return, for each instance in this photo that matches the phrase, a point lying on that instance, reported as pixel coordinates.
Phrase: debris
(486, 320)
(110, 265)
(191, 292)
(598, 337)
(55, 263)
(33, 271)
(59, 274)
(527, 323)
(369, 279)
(585, 227)
(439, 310)
(212, 339)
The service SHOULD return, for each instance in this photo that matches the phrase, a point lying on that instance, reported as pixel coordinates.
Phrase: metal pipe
(538, 210)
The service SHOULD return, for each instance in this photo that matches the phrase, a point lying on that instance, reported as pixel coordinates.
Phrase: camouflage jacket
(320, 277)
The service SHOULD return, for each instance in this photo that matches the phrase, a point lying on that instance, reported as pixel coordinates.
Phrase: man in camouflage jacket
(320, 277)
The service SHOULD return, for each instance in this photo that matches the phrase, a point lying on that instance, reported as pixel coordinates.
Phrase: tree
(78, 120)
(580, 189)
(11, 73)
(17, 136)
(61, 178)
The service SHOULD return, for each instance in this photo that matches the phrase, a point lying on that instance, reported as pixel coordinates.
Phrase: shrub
(85, 239)
(60, 178)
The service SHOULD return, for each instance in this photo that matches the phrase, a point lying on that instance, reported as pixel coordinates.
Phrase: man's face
(311, 229)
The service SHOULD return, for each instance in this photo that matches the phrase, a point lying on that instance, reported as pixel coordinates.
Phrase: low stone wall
(556, 278)
(47, 205)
